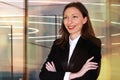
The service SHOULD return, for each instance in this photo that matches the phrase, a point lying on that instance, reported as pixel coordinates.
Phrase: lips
(71, 27)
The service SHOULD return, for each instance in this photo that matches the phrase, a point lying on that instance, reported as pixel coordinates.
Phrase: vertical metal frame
(108, 32)
(55, 26)
(25, 77)
(12, 53)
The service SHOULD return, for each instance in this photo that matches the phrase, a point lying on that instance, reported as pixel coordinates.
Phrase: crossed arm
(86, 67)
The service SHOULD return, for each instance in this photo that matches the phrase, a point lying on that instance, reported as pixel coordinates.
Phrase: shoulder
(56, 42)
(94, 41)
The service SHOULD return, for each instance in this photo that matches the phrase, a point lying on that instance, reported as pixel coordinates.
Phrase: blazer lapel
(65, 55)
(78, 51)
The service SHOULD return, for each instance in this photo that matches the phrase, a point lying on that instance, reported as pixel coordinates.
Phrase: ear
(85, 20)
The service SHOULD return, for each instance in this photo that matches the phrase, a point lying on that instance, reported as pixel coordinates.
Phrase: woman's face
(73, 20)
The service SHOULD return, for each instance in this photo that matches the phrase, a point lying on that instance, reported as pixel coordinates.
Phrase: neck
(72, 37)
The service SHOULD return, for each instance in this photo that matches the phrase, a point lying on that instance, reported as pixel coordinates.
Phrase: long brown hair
(87, 30)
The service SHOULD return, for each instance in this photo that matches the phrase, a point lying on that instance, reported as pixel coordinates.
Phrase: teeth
(70, 26)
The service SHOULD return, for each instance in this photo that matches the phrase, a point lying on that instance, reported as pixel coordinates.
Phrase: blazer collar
(77, 50)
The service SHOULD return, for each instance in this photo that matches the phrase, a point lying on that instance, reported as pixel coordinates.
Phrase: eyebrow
(73, 14)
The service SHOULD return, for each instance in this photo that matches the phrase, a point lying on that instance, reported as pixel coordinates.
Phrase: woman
(76, 55)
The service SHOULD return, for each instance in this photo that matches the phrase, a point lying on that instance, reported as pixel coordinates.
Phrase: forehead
(72, 10)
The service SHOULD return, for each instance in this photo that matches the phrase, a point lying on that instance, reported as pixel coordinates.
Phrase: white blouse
(71, 49)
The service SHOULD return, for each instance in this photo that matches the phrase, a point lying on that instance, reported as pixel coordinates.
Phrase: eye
(75, 16)
(64, 17)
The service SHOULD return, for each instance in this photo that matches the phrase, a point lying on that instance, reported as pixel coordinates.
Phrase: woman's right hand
(50, 66)
(86, 67)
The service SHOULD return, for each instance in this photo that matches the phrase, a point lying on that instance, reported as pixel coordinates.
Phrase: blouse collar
(73, 42)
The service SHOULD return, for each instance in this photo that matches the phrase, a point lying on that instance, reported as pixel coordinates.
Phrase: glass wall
(44, 18)
(115, 39)
(5, 52)
(11, 53)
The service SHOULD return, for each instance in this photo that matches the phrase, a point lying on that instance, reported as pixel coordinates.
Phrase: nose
(69, 21)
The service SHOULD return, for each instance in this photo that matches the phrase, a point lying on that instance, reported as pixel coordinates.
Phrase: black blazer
(84, 49)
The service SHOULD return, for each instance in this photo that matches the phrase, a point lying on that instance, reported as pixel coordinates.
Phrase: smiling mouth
(71, 27)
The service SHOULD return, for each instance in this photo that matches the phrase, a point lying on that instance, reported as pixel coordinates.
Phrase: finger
(90, 59)
(49, 64)
(50, 67)
(47, 67)
(92, 68)
(53, 64)
(92, 63)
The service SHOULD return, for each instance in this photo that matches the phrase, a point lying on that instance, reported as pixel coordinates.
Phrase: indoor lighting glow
(49, 2)
(101, 4)
(52, 36)
(50, 40)
(34, 30)
(9, 15)
(11, 0)
(115, 43)
(118, 34)
(34, 22)
(98, 20)
(116, 5)
(11, 21)
(115, 22)
(4, 26)
(36, 16)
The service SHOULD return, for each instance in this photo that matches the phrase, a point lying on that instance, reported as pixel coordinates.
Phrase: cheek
(80, 25)
(65, 24)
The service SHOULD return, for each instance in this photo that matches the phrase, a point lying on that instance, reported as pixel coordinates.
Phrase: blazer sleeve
(95, 50)
(48, 75)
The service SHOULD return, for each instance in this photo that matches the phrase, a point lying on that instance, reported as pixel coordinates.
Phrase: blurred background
(29, 27)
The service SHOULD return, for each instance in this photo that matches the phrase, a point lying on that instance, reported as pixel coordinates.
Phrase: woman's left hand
(50, 66)
(86, 67)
